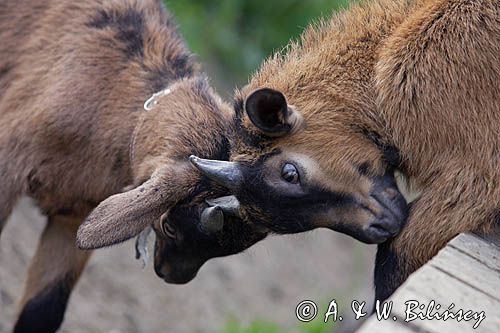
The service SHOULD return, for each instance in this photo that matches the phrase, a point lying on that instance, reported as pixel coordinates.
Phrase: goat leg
(52, 274)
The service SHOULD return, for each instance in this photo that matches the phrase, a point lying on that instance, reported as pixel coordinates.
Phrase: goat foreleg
(52, 274)
(9, 193)
(452, 205)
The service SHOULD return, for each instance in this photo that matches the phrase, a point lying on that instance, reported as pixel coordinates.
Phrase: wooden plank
(468, 270)
(430, 284)
(474, 246)
(465, 273)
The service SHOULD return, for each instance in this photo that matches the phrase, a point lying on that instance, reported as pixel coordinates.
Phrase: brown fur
(73, 132)
(423, 77)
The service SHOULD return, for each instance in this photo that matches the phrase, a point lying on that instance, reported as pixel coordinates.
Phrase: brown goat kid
(74, 77)
(412, 85)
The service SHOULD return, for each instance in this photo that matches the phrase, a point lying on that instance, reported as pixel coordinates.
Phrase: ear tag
(153, 100)
(141, 246)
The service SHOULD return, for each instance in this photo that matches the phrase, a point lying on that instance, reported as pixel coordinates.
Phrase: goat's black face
(289, 176)
(287, 193)
(183, 245)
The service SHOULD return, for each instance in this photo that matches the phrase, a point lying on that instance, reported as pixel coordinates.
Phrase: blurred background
(232, 37)
(253, 292)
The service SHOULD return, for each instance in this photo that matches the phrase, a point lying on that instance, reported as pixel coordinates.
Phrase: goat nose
(162, 271)
(159, 273)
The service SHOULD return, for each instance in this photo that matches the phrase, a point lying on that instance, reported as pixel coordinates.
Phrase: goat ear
(270, 113)
(123, 216)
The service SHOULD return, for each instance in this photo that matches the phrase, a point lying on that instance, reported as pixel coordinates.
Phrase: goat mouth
(176, 275)
(179, 279)
(380, 231)
(387, 213)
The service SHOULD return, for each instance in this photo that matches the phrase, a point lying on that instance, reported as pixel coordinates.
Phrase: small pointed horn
(229, 205)
(227, 174)
(212, 220)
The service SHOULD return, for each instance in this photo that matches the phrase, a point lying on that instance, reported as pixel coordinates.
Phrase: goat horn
(229, 204)
(212, 220)
(227, 174)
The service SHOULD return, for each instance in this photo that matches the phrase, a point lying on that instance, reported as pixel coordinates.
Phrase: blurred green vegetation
(257, 326)
(232, 37)
(262, 326)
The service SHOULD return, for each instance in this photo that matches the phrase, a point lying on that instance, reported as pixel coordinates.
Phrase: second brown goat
(74, 77)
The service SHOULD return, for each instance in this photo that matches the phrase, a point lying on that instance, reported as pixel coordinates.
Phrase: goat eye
(290, 174)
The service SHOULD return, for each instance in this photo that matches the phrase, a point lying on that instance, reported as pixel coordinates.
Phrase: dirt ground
(265, 283)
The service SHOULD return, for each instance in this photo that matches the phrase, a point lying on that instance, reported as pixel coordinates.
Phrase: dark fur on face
(179, 256)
